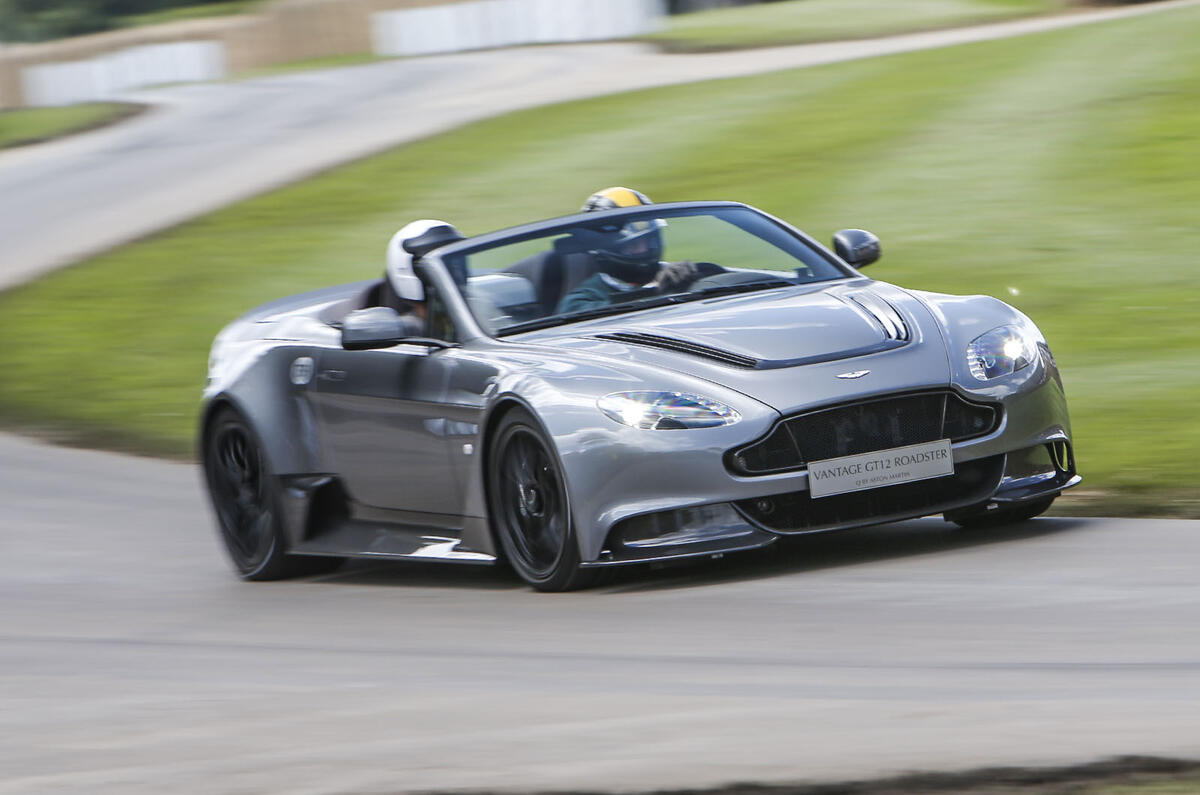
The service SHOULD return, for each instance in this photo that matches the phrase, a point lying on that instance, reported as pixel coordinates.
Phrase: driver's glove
(676, 275)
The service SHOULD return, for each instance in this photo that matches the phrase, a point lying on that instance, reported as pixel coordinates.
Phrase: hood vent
(681, 346)
(894, 327)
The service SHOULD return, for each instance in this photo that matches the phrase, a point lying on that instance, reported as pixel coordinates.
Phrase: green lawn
(29, 125)
(311, 64)
(800, 21)
(1188, 785)
(1057, 171)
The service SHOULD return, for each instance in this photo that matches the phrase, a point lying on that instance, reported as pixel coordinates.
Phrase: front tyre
(527, 500)
(244, 498)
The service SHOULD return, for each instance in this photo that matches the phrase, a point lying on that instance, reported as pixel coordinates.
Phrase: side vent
(884, 313)
(681, 346)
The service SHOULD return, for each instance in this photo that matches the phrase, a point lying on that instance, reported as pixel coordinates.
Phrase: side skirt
(360, 539)
(322, 520)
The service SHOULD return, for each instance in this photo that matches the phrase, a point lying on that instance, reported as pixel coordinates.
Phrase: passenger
(401, 288)
(627, 258)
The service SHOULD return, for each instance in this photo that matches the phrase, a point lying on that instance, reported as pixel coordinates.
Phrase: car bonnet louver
(681, 346)
(884, 313)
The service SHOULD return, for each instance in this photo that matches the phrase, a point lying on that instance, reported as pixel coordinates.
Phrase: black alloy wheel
(243, 495)
(529, 508)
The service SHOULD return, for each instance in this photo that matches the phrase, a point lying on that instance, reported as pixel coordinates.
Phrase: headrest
(580, 240)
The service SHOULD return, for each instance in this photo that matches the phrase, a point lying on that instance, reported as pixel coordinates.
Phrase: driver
(627, 258)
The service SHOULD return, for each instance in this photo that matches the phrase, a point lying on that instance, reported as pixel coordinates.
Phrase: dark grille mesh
(798, 512)
(863, 427)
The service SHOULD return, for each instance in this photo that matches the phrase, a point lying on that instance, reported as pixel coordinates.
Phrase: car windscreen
(630, 263)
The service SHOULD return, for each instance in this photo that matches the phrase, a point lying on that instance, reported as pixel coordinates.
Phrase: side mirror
(856, 246)
(377, 327)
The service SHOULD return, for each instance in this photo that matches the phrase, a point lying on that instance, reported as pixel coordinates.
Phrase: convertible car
(495, 407)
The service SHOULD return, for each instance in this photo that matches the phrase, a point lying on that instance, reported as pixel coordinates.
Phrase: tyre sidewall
(271, 564)
(565, 573)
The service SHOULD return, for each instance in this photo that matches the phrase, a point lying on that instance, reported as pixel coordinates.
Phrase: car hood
(785, 347)
(774, 330)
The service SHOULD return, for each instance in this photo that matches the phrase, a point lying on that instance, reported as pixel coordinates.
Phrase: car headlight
(1001, 351)
(664, 411)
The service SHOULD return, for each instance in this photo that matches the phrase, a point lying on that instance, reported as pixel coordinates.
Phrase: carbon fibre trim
(798, 512)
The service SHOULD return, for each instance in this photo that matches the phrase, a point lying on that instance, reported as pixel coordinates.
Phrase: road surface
(132, 660)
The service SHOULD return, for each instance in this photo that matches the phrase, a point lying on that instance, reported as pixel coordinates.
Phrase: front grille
(797, 512)
(879, 424)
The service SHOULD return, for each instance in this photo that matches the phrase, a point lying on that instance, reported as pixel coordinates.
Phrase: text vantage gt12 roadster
(524, 395)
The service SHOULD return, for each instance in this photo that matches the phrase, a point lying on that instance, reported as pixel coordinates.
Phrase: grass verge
(1056, 171)
(310, 64)
(1129, 775)
(33, 125)
(804, 21)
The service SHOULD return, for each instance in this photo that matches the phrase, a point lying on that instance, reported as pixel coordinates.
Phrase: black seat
(556, 273)
(381, 293)
(544, 272)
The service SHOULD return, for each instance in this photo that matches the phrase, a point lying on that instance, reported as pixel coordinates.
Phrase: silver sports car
(525, 396)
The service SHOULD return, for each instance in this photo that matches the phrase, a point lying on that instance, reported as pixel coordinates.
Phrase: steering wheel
(704, 269)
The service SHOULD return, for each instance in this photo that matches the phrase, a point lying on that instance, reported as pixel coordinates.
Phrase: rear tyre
(1006, 515)
(244, 497)
(527, 501)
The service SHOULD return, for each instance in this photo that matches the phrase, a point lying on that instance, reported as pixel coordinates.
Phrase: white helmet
(400, 256)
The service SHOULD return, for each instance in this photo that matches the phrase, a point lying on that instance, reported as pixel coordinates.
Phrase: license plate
(880, 468)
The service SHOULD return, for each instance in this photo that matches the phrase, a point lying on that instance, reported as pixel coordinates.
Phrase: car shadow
(417, 574)
(843, 548)
(789, 556)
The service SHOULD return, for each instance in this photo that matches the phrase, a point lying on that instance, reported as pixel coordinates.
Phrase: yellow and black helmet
(612, 198)
(631, 251)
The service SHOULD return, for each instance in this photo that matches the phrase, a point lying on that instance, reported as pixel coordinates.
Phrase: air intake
(860, 427)
(884, 313)
(681, 346)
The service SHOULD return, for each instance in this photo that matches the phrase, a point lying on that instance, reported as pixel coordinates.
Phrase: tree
(38, 20)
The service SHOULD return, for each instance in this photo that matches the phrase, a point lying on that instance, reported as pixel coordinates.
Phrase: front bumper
(650, 473)
(1033, 473)
(707, 530)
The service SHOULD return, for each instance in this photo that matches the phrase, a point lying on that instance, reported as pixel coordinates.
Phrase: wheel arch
(276, 408)
(280, 428)
(502, 407)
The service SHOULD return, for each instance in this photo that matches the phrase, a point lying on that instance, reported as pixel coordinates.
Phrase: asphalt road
(204, 146)
(132, 660)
